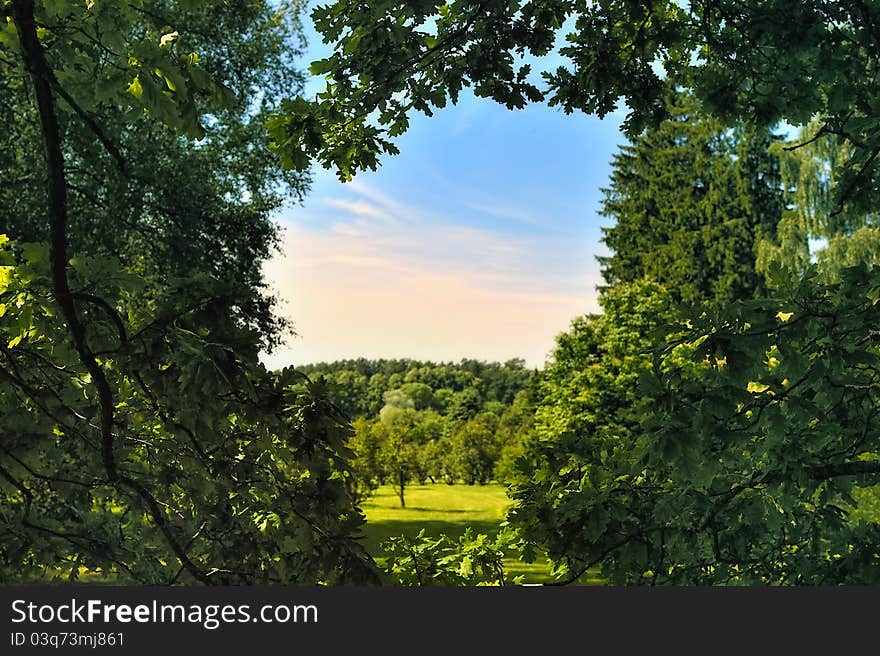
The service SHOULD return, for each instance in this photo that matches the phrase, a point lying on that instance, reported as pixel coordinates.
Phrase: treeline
(459, 389)
(425, 422)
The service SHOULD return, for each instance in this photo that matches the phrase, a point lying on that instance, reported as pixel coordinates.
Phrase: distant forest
(417, 421)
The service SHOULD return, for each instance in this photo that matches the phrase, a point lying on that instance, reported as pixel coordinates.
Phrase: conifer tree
(690, 200)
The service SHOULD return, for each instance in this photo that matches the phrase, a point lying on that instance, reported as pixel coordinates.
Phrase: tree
(465, 405)
(473, 449)
(778, 423)
(349, 390)
(744, 60)
(743, 451)
(516, 424)
(398, 407)
(401, 438)
(421, 394)
(124, 180)
(376, 389)
(141, 438)
(436, 456)
(580, 488)
(366, 465)
(815, 228)
(400, 454)
(690, 201)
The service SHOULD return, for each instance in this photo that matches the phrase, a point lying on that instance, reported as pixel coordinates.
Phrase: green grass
(449, 509)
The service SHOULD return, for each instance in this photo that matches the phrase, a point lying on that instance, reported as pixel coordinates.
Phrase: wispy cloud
(358, 208)
(390, 280)
(373, 194)
(506, 212)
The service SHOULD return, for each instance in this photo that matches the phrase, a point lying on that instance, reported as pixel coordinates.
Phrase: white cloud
(359, 208)
(389, 280)
(373, 194)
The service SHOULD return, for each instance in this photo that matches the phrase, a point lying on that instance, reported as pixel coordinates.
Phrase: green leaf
(6, 278)
(321, 66)
(135, 88)
(166, 40)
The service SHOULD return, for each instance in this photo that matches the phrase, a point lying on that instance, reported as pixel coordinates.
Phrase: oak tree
(140, 438)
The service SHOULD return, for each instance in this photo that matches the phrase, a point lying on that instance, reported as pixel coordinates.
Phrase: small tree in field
(399, 452)
(366, 465)
(399, 456)
(473, 450)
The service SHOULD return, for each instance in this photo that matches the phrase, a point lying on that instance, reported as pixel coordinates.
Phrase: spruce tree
(689, 200)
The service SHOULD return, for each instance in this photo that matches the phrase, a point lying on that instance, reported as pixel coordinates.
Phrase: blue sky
(478, 240)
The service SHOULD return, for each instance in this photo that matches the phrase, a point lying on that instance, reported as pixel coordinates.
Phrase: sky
(478, 241)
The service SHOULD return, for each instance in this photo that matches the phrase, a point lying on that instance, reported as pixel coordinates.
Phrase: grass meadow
(449, 509)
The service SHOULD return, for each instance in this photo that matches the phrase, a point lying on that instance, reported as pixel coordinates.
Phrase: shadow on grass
(377, 531)
(449, 510)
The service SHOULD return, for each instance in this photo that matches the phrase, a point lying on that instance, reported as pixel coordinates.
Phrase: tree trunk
(400, 488)
(42, 81)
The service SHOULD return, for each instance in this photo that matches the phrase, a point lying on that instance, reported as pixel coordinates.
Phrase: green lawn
(448, 509)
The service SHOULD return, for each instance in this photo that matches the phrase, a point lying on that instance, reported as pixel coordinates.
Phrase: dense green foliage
(690, 201)
(164, 205)
(424, 560)
(447, 422)
(777, 422)
(746, 454)
(582, 490)
(743, 450)
(756, 61)
(140, 438)
(815, 227)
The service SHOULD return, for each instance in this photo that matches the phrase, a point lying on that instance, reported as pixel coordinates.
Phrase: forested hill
(460, 389)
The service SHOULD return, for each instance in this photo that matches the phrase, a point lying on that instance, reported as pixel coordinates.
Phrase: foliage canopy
(140, 438)
(691, 200)
(761, 62)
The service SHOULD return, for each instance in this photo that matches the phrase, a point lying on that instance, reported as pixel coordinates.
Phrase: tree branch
(109, 309)
(92, 124)
(35, 63)
(837, 469)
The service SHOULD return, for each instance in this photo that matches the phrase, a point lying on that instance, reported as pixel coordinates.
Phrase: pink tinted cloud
(384, 281)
